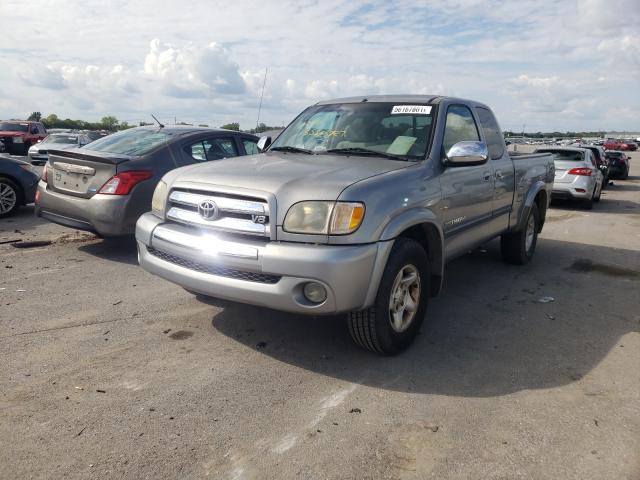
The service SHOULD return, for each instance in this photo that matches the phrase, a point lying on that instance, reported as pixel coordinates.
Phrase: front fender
(408, 219)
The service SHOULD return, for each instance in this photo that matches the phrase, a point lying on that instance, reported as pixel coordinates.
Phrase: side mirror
(263, 143)
(466, 153)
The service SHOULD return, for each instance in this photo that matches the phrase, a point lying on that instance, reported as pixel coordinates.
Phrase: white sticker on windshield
(411, 109)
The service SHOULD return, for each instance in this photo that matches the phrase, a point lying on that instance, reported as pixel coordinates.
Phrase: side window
(460, 127)
(197, 152)
(492, 133)
(217, 148)
(250, 146)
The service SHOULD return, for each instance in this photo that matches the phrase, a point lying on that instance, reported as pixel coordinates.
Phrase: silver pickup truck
(354, 208)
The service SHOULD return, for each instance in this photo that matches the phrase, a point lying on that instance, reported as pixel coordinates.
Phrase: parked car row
(619, 144)
(583, 171)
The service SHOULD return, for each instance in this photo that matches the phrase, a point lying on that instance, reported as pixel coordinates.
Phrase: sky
(542, 65)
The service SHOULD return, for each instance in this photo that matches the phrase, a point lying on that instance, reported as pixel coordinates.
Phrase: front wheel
(518, 247)
(9, 197)
(392, 323)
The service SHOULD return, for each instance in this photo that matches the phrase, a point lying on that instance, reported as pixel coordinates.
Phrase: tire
(10, 197)
(518, 247)
(377, 328)
(588, 204)
(626, 174)
(597, 198)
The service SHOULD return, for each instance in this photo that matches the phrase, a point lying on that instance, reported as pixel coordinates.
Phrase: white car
(577, 176)
(39, 153)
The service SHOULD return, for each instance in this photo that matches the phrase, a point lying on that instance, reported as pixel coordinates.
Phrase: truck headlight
(324, 218)
(159, 199)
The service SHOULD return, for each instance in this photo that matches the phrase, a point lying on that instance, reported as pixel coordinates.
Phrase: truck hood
(291, 177)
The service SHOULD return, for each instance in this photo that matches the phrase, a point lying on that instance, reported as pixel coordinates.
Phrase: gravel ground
(109, 372)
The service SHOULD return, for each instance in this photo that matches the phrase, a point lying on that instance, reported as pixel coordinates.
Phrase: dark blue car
(18, 185)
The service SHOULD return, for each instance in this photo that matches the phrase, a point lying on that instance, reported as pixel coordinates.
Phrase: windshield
(135, 141)
(14, 127)
(389, 129)
(60, 139)
(564, 155)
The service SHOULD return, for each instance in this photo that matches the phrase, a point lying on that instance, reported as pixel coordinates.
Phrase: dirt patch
(181, 335)
(558, 218)
(584, 265)
(75, 237)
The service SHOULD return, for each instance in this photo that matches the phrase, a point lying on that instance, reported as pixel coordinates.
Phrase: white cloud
(193, 71)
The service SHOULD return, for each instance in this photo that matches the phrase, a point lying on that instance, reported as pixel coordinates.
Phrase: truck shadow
(117, 249)
(488, 333)
(606, 205)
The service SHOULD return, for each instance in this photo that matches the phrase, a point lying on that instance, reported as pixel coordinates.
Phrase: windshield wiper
(287, 148)
(366, 151)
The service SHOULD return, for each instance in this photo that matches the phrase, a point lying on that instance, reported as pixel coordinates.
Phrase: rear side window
(131, 142)
(197, 152)
(217, 148)
(491, 132)
(460, 127)
(250, 146)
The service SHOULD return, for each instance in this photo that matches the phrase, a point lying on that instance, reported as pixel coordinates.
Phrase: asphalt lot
(109, 372)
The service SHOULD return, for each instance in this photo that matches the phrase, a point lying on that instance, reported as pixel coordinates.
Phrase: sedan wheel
(8, 197)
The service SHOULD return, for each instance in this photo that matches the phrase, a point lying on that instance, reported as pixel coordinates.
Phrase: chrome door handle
(486, 177)
(499, 175)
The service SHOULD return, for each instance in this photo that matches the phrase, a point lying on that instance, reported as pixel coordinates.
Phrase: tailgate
(81, 173)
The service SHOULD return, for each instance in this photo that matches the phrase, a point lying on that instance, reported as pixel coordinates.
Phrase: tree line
(112, 124)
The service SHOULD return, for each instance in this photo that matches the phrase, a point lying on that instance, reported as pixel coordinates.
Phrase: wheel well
(428, 236)
(17, 184)
(542, 203)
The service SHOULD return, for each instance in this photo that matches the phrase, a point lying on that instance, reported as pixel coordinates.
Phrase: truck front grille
(214, 269)
(220, 212)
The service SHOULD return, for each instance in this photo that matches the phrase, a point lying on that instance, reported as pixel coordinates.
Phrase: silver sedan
(577, 175)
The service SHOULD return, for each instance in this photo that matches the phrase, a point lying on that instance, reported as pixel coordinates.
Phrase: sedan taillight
(122, 183)
(581, 171)
(45, 175)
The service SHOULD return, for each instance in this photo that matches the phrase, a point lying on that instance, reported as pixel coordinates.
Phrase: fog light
(314, 292)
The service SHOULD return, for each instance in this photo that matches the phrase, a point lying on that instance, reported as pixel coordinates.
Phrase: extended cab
(354, 208)
(17, 135)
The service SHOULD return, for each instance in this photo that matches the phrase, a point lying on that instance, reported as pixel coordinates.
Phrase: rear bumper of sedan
(106, 215)
(581, 188)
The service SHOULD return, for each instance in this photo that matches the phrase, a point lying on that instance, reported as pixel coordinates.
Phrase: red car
(616, 144)
(17, 135)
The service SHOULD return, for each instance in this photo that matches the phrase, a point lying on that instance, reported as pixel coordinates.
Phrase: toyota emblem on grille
(208, 209)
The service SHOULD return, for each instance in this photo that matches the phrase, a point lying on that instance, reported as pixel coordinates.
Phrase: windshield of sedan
(135, 141)
(379, 129)
(14, 127)
(65, 139)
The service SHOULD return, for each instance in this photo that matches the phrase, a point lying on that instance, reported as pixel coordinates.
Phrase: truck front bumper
(261, 272)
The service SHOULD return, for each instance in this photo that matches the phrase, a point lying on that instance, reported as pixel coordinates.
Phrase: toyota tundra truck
(355, 208)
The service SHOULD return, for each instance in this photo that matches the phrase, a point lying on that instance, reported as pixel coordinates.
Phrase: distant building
(633, 135)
